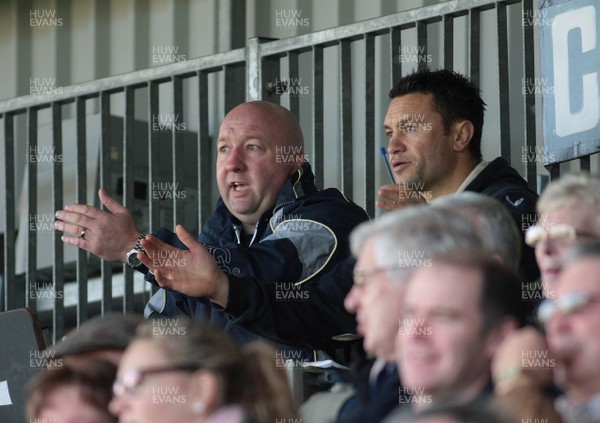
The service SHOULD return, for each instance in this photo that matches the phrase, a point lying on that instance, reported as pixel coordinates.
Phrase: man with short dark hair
(434, 123)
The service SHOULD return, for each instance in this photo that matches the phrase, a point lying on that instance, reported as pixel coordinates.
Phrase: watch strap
(138, 243)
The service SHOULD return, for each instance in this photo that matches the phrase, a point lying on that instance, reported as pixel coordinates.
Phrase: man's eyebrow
(400, 121)
(444, 309)
(254, 136)
(387, 125)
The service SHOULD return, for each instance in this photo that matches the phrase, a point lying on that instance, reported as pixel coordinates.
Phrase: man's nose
(352, 300)
(396, 144)
(235, 161)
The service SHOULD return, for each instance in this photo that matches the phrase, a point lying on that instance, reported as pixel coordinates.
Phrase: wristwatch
(132, 260)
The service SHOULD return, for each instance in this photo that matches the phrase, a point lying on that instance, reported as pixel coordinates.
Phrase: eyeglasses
(133, 378)
(361, 276)
(568, 304)
(560, 233)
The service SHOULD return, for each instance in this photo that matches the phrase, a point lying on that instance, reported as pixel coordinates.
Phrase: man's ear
(297, 165)
(499, 333)
(463, 133)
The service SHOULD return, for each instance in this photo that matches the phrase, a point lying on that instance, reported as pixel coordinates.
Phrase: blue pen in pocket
(387, 164)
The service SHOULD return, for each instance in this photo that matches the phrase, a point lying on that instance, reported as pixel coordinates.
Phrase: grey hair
(572, 190)
(414, 235)
(492, 220)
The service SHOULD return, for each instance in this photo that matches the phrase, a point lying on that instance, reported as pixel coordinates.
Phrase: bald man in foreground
(271, 223)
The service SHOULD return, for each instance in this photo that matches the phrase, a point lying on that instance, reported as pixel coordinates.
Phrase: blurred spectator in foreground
(101, 337)
(388, 249)
(455, 314)
(569, 211)
(572, 322)
(569, 214)
(179, 370)
(72, 393)
(450, 413)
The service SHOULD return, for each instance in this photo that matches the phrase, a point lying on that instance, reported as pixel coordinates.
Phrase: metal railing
(367, 55)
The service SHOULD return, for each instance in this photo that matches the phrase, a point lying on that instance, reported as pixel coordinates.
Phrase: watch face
(132, 259)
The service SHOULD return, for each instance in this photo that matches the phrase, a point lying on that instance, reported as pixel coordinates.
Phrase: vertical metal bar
(228, 93)
(448, 42)
(270, 71)
(503, 88)
(177, 143)
(58, 314)
(474, 43)
(253, 70)
(9, 216)
(81, 187)
(293, 82)
(317, 114)
(422, 43)
(234, 86)
(584, 164)
(128, 184)
(228, 97)
(106, 270)
(31, 276)
(369, 186)
(204, 152)
(259, 70)
(232, 24)
(153, 154)
(346, 116)
(529, 74)
(554, 170)
(395, 48)
(153, 159)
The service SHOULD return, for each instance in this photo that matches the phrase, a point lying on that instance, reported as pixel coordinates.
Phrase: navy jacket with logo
(302, 237)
